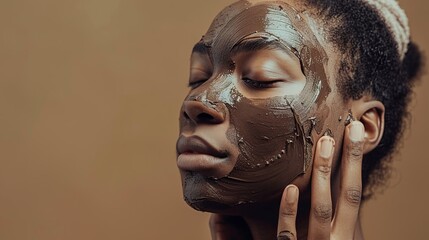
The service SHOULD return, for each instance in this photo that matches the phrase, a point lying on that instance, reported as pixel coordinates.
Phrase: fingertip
(291, 193)
(292, 186)
(325, 138)
(356, 131)
(326, 147)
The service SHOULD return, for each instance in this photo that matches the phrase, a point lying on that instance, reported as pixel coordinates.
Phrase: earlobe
(371, 114)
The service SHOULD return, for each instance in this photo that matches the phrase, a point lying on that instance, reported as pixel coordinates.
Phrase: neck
(263, 226)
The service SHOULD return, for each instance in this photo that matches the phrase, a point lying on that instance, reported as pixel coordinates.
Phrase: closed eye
(259, 84)
(195, 84)
(198, 76)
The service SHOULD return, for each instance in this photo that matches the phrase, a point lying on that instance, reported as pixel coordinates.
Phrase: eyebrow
(255, 44)
(250, 45)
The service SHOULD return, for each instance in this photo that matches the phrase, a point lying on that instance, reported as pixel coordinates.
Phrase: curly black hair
(371, 64)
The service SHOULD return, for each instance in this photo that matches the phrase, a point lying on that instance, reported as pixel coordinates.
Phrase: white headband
(396, 21)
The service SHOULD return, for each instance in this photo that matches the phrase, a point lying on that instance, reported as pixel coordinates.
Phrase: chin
(203, 194)
(216, 196)
(209, 206)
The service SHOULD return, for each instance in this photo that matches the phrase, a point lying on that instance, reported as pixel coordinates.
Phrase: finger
(321, 203)
(286, 229)
(348, 204)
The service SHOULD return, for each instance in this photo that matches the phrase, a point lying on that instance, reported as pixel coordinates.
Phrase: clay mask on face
(272, 133)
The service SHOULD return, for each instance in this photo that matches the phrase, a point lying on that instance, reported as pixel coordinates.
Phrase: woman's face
(258, 99)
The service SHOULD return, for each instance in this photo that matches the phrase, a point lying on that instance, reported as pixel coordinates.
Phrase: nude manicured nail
(357, 131)
(326, 148)
(291, 194)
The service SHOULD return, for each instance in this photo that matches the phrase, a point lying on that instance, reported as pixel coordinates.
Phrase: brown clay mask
(270, 120)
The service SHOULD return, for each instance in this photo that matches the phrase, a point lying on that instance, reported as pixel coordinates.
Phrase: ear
(371, 113)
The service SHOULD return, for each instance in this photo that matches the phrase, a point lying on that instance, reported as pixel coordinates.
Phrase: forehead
(273, 20)
(251, 17)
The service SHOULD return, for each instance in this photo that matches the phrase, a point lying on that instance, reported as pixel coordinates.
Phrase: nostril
(205, 117)
(202, 113)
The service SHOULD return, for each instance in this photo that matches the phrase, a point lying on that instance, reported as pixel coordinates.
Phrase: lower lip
(199, 162)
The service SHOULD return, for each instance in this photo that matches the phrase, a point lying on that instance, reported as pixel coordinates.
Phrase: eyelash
(196, 84)
(249, 82)
(258, 84)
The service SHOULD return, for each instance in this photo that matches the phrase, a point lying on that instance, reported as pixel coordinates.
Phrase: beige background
(89, 98)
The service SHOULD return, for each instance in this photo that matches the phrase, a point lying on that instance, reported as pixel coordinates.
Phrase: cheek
(272, 147)
(265, 129)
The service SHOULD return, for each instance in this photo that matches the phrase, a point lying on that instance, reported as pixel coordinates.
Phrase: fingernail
(357, 131)
(326, 148)
(291, 194)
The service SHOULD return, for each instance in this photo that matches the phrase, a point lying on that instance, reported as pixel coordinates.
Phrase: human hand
(321, 223)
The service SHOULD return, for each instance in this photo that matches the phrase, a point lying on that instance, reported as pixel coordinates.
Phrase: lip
(197, 145)
(197, 155)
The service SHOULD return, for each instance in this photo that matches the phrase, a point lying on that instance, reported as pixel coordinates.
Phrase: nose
(203, 112)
